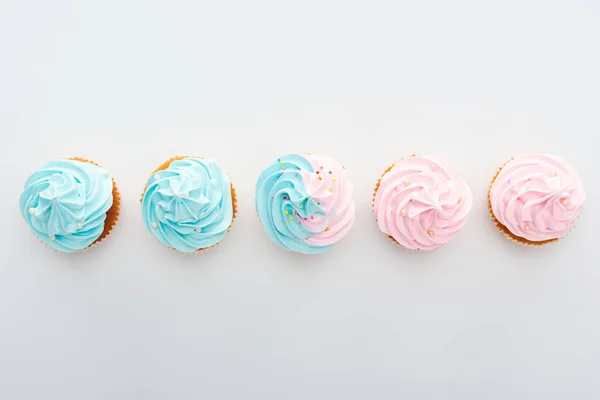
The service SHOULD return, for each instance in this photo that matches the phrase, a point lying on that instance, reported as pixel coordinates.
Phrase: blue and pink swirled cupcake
(305, 202)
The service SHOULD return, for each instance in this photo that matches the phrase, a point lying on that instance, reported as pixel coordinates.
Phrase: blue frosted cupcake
(70, 204)
(305, 202)
(189, 203)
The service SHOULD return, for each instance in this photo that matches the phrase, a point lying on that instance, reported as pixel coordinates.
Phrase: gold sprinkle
(327, 229)
(286, 212)
(290, 218)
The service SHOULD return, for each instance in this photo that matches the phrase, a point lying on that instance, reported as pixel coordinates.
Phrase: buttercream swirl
(188, 206)
(305, 202)
(537, 197)
(65, 203)
(422, 203)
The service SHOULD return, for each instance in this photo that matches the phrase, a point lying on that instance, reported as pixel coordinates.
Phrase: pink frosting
(537, 197)
(422, 203)
(329, 185)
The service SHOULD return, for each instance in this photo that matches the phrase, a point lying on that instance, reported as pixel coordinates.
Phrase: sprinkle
(317, 172)
(334, 179)
(31, 211)
(431, 233)
(320, 178)
(282, 162)
(406, 182)
(327, 229)
(290, 218)
(79, 225)
(312, 217)
(331, 189)
(403, 212)
(279, 159)
(318, 203)
(52, 237)
(565, 202)
(526, 228)
(286, 212)
(321, 167)
(186, 194)
(198, 230)
(330, 172)
(286, 198)
(154, 225)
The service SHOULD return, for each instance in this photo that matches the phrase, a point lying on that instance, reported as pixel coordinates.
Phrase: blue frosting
(188, 206)
(279, 189)
(65, 203)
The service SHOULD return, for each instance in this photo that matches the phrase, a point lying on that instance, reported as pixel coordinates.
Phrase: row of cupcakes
(304, 202)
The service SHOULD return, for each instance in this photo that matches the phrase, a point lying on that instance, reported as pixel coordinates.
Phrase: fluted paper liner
(503, 229)
(112, 215)
(166, 165)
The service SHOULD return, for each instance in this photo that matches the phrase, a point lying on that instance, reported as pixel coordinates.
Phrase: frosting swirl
(422, 203)
(188, 206)
(65, 203)
(537, 197)
(305, 202)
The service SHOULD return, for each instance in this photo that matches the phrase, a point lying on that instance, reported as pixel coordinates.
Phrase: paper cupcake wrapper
(375, 194)
(503, 229)
(234, 203)
(112, 215)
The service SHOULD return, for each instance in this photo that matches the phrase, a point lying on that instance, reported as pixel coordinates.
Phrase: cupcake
(305, 202)
(535, 199)
(189, 203)
(70, 204)
(421, 202)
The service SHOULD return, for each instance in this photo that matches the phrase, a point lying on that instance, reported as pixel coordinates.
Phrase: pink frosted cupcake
(535, 199)
(421, 202)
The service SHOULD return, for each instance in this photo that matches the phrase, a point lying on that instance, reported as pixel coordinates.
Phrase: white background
(132, 83)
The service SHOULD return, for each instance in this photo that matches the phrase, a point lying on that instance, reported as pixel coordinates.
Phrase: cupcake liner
(112, 215)
(234, 202)
(375, 194)
(503, 229)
